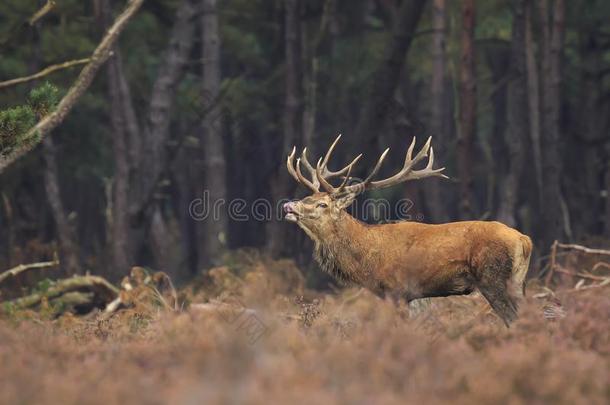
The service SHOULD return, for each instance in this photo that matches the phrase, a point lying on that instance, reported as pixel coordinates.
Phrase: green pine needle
(16, 121)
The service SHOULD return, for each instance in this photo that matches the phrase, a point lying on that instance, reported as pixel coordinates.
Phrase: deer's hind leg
(493, 274)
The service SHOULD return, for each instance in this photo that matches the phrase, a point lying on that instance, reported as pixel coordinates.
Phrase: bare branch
(25, 267)
(554, 267)
(100, 55)
(46, 71)
(600, 265)
(47, 8)
(584, 249)
(581, 275)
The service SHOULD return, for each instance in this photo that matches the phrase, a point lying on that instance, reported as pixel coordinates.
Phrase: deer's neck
(344, 252)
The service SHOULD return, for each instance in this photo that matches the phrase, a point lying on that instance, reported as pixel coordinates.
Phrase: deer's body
(396, 258)
(408, 260)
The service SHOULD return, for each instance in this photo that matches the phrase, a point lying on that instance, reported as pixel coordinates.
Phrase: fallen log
(102, 290)
(70, 301)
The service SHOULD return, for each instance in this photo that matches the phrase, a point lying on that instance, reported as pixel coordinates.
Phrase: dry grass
(297, 346)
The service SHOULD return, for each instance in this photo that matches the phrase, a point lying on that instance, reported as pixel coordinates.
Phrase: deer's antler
(321, 174)
(325, 173)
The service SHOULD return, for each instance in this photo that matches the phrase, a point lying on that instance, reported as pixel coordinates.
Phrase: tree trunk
(533, 98)
(311, 45)
(154, 155)
(385, 79)
(124, 123)
(607, 193)
(119, 228)
(160, 239)
(553, 216)
(494, 147)
(467, 111)
(282, 187)
(432, 188)
(585, 175)
(517, 118)
(213, 232)
(68, 250)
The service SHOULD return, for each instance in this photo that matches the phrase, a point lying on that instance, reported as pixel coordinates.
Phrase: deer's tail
(521, 262)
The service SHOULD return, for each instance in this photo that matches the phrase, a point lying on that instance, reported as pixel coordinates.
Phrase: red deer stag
(407, 260)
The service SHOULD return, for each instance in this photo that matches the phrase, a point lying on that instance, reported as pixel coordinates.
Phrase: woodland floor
(347, 347)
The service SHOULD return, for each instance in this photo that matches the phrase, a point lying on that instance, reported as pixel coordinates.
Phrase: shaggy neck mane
(337, 251)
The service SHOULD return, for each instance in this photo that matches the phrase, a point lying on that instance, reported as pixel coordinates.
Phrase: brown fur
(413, 260)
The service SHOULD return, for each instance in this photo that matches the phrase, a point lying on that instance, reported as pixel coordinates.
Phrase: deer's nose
(289, 207)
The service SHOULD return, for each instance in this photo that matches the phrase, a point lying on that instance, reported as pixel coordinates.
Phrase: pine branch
(52, 120)
(46, 71)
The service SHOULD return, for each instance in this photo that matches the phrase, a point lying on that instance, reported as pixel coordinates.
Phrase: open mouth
(291, 214)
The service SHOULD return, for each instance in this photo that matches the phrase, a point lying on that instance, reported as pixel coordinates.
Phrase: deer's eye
(322, 205)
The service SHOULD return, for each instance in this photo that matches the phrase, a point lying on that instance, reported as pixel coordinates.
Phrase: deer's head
(318, 211)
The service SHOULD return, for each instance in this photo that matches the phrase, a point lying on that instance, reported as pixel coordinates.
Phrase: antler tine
(325, 184)
(303, 179)
(330, 151)
(323, 179)
(349, 171)
(377, 166)
(290, 164)
(409, 156)
(310, 169)
(326, 173)
(305, 160)
(407, 173)
(420, 155)
(428, 170)
(361, 186)
(297, 175)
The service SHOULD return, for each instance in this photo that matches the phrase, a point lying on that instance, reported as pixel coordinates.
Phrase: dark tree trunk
(278, 234)
(533, 98)
(607, 190)
(125, 133)
(119, 229)
(141, 155)
(213, 233)
(498, 55)
(385, 79)
(68, 250)
(152, 149)
(584, 176)
(154, 154)
(467, 111)
(554, 221)
(517, 130)
(438, 127)
(186, 177)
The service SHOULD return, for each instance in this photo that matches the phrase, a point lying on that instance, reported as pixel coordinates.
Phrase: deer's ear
(344, 200)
